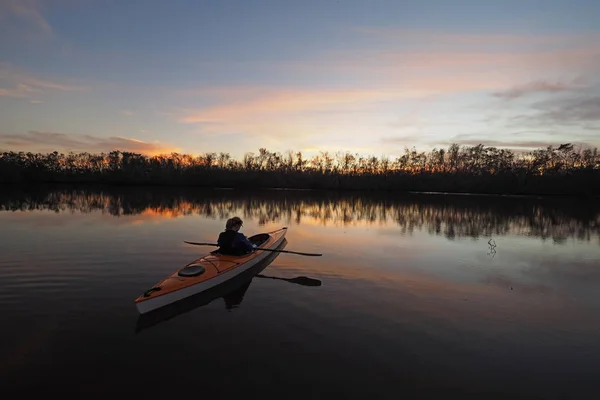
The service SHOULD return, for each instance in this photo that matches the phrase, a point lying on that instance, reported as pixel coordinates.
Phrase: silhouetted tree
(560, 170)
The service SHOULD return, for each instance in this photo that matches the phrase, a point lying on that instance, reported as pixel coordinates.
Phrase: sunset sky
(370, 77)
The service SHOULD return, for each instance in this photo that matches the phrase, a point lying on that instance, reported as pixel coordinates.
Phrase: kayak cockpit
(259, 239)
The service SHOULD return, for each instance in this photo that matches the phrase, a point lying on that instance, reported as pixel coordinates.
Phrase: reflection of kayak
(207, 272)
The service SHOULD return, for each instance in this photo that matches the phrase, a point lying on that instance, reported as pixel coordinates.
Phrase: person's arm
(245, 242)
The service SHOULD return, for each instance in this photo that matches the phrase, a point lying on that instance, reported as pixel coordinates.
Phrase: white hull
(166, 299)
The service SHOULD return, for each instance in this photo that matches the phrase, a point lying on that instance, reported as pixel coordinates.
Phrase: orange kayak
(207, 272)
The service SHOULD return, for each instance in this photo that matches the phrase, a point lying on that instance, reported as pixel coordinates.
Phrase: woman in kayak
(231, 241)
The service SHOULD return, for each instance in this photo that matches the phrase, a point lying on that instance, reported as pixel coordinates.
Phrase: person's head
(234, 223)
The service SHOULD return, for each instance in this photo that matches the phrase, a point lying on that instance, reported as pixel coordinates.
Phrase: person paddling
(231, 241)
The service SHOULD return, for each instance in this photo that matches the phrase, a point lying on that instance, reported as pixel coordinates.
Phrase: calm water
(423, 294)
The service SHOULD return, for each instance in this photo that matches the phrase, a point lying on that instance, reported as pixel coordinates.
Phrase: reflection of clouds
(487, 306)
(58, 219)
(566, 269)
(450, 217)
(28, 343)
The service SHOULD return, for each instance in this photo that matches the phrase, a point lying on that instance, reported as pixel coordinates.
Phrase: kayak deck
(207, 271)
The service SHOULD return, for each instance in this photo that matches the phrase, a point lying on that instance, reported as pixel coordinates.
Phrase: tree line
(551, 170)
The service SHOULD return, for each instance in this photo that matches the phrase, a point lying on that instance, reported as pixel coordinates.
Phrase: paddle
(260, 248)
(300, 280)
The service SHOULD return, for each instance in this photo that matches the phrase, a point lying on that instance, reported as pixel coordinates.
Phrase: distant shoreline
(476, 170)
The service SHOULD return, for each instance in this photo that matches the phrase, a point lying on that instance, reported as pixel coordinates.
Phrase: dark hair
(231, 222)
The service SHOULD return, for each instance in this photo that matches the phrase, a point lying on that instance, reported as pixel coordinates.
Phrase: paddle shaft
(260, 248)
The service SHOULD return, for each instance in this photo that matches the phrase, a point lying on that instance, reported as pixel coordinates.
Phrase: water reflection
(442, 314)
(232, 293)
(448, 216)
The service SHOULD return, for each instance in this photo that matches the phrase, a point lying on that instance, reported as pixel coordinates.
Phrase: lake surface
(420, 295)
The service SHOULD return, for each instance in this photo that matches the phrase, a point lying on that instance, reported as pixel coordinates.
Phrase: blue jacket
(232, 242)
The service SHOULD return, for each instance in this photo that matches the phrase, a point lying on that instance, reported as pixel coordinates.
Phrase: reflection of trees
(450, 216)
(563, 169)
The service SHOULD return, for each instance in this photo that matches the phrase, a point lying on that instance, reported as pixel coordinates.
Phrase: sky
(368, 77)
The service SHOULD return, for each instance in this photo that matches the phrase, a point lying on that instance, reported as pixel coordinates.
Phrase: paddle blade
(305, 281)
(300, 280)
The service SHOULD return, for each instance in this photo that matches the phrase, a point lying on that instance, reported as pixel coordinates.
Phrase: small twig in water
(492, 244)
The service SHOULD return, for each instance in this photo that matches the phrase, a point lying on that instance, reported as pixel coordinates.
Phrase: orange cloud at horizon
(55, 141)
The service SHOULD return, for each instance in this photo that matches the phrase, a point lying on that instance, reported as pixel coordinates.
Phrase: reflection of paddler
(234, 298)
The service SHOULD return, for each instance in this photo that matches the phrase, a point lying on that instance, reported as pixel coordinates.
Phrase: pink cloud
(511, 64)
(255, 103)
(393, 54)
(368, 83)
(15, 92)
(396, 73)
(20, 84)
(276, 102)
(25, 14)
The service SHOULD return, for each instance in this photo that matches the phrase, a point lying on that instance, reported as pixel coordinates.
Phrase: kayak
(232, 292)
(207, 272)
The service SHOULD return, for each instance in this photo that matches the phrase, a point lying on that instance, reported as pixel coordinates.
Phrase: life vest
(226, 240)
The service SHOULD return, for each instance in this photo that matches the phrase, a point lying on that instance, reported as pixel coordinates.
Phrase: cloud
(19, 84)
(275, 116)
(581, 111)
(128, 113)
(51, 141)
(533, 87)
(390, 53)
(407, 141)
(382, 70)
(456, 39)
(443, 63)
(24, 15)
(569, 110)
(276, 102)
(16, 92)
(235, 106)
